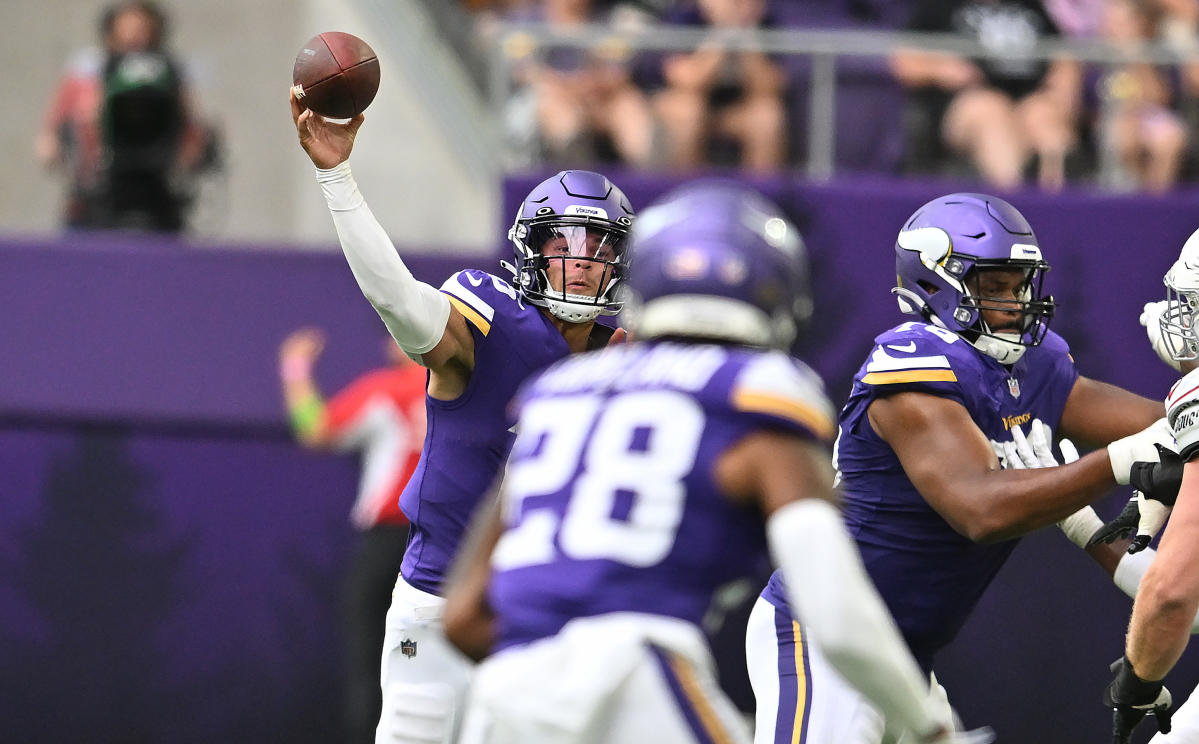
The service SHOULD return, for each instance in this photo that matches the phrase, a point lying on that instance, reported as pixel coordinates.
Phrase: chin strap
(910, 303)
(1005, 348)
(582, 310)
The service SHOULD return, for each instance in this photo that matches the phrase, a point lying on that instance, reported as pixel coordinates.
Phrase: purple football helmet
(716, 260)
(939, 254)
(573, 217)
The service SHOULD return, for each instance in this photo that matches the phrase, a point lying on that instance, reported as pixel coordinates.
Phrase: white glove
(1035, 450)
(1151, 319)
(1009, 456)
(1153, 516)
(1040, 437)
(1139, 447)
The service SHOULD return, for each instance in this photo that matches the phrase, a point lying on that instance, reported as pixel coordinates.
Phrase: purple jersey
(929, 575)
(468, 438)
(609, 500)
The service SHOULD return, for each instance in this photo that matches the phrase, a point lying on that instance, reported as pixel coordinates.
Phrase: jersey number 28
(590, 451)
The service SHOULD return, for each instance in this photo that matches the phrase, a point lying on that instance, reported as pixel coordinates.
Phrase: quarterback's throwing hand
(328, 143)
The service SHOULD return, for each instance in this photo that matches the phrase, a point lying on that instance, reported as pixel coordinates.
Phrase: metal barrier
(516, 42)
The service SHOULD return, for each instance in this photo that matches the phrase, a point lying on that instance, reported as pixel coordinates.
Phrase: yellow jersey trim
(801, 685)
(911, 375)
(470, 314)
(707, 715)
(776, 405)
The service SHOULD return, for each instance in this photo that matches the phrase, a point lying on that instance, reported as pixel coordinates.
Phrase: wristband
(1159, 481)
(306, 414)
(1131, 569)
(1081, 526)
(1129, 689)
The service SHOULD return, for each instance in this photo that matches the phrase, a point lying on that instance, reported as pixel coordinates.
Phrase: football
(336, 75)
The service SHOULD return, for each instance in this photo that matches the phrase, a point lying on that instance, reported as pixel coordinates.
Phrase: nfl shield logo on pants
(1013, 387)
(408, 647)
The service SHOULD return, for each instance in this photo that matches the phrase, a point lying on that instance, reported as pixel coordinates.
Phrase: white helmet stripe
(933, 244)
(1026, 252)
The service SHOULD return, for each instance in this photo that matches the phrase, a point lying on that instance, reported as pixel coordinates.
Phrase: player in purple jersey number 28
(644, 477)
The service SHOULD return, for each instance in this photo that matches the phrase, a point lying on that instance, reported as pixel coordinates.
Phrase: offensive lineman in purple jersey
(479, 337)
(646, 476)
(927, 455)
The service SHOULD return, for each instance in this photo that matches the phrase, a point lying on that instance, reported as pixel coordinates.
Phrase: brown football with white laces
(336, 75)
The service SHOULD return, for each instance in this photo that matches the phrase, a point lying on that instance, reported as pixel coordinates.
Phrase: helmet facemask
(584, 256)
(1031, 310)
(1178, 320)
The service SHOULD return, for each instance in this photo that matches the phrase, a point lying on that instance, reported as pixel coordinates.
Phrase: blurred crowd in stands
(1006, 120)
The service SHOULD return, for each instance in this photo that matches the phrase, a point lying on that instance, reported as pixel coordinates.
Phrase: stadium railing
(513, 43)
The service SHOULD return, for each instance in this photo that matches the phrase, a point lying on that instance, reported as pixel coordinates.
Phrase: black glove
(1159, 481)
(1123, 526)
(1132, 698)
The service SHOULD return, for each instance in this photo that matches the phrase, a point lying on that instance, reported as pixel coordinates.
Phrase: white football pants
(800, 696)
(424, 678)
(1184, 724)
(610, 679)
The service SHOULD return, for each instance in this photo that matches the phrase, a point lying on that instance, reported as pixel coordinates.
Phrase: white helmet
(1182, 303)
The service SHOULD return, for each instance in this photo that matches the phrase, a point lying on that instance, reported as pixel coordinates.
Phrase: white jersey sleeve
(1182, 412)
(415, 313)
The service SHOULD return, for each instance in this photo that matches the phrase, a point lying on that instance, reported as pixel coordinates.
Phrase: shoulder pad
(776, 385)
(927, 337)
(476, 294)
(1055, 343)
(1183, 391)
(915, 353)
(1182, 412)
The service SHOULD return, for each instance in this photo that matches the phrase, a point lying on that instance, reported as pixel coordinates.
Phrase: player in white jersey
(1165, 584)
(645, 477)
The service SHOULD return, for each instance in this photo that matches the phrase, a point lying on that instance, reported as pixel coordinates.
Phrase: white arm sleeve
(1131, 570)
(414, 312)
(833, 597)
